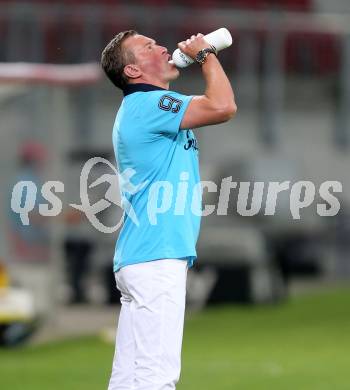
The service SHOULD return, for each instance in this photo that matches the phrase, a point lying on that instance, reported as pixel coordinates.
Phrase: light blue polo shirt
(159, 177)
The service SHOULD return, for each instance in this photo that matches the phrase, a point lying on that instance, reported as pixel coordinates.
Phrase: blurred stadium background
(268, 299)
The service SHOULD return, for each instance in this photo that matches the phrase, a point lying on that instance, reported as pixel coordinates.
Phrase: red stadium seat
(312, 53)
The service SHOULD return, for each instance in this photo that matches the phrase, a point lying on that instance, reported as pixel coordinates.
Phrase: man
(152, 140)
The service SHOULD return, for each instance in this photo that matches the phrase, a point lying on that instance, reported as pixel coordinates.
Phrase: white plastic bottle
(220, 39)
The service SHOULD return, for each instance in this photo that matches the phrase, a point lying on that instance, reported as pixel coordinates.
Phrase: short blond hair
(115, 57)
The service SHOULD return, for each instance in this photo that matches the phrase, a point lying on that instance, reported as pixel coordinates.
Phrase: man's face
(152, 59)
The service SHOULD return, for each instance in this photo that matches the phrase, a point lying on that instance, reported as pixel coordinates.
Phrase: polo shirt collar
(141, 87)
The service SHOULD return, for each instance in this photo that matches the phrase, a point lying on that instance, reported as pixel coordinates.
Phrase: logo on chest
(191, 141)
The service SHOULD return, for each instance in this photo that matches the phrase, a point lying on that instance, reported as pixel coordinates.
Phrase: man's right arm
(217, 105)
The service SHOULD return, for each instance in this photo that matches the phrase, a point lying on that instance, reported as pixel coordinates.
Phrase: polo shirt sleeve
(163, 111)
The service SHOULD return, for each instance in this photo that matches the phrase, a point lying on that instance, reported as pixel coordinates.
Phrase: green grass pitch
(303, 344)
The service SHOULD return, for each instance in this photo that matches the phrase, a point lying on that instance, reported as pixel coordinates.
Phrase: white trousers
(150, 327)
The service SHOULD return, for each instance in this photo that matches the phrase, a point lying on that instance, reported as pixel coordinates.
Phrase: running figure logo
(113, 195)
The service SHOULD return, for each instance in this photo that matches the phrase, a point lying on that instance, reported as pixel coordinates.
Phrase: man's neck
(157, 83)
(140, 87)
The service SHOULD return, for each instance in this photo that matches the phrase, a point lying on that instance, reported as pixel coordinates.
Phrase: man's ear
(132, 71)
